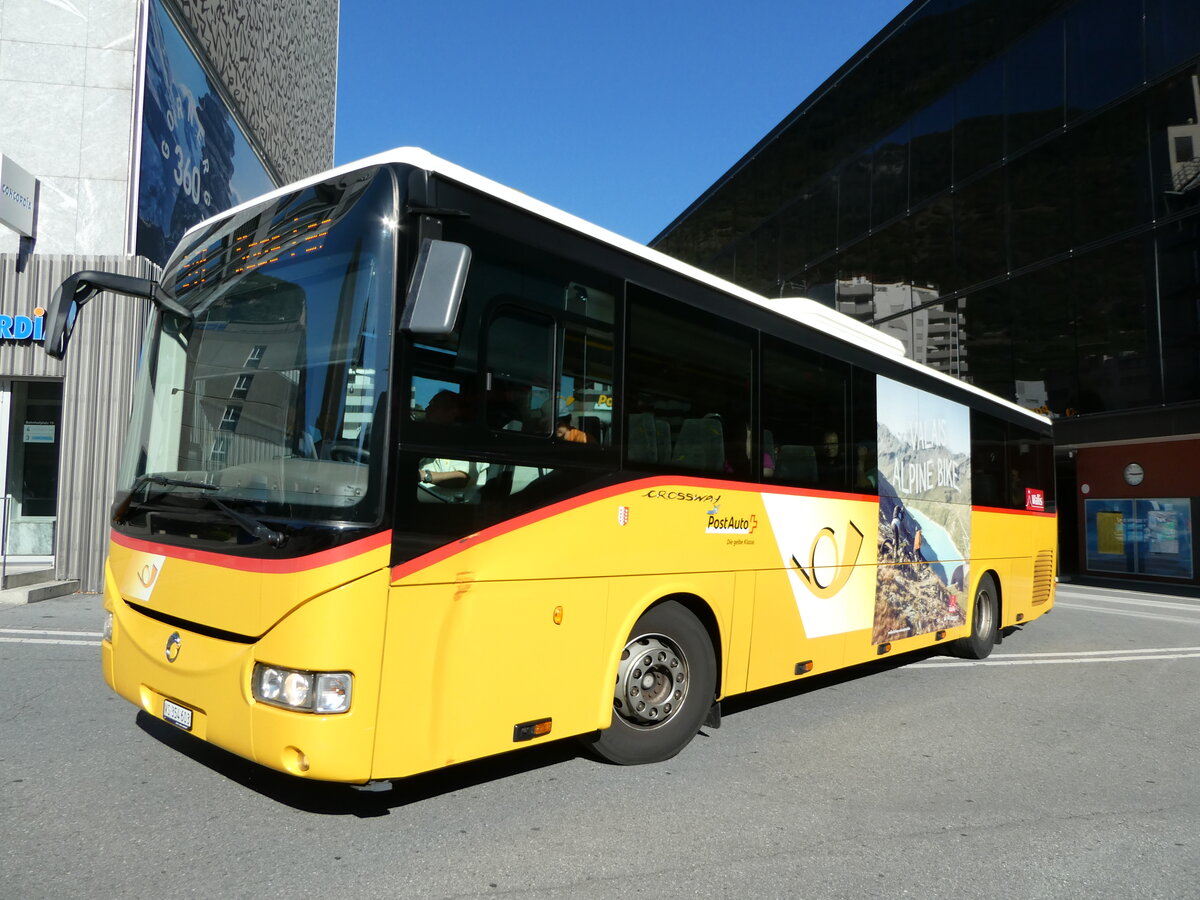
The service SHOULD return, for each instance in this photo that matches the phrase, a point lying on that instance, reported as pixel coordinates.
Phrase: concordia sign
(18, 197)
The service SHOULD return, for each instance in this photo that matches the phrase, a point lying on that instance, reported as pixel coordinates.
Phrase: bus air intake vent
(1043, 576)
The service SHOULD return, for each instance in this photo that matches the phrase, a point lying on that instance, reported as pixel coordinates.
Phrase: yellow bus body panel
(525, 622)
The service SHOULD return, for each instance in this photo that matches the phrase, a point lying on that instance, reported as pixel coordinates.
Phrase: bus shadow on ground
(806, 685)
(331, 799)
(802, 686)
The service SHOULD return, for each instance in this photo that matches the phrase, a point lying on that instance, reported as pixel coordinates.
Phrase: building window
(241, 387)
(1184, 149)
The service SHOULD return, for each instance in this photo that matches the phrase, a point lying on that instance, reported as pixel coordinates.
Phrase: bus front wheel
(984, 620)
(665, 685)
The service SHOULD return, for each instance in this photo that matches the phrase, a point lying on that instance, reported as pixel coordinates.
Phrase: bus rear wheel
(984, 621)
(666, 681)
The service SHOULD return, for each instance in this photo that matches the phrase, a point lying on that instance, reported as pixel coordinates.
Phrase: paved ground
(1063, 766)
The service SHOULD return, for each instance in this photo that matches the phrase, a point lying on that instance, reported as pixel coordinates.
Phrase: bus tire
(984, 620)
(666, 682)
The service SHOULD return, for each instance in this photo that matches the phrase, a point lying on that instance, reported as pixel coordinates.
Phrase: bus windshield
(267, 401)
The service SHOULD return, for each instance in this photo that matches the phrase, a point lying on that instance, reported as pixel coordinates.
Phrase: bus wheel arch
(985, 620)
(667, 679)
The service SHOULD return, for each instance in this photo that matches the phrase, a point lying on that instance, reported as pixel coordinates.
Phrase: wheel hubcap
(652, 681)
(983, 614)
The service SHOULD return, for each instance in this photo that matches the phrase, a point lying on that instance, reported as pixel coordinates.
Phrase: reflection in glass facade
(1021, 208)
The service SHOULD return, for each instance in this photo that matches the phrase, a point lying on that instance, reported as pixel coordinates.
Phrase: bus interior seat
(662, 439)
(796, 462)
(640, 437)
(700, 445)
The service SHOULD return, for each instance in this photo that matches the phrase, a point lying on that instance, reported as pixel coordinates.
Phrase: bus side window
(520, 366)
(805, 406)
(688, 383)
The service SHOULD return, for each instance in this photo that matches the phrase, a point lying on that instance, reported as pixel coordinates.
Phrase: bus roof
(808, 312)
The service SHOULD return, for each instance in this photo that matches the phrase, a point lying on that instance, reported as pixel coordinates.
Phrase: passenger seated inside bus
(564, 431)
(449, 480)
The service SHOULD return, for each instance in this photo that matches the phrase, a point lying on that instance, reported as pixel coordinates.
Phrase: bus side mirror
(78, 289)
(436, 290)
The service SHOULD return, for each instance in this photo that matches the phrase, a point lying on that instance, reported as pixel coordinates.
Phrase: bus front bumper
(202, 684)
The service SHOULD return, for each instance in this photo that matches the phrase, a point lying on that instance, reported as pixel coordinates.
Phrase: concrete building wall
(256, 47)
(66, 104)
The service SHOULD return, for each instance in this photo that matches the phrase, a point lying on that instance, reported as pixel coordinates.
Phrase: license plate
(177, 715)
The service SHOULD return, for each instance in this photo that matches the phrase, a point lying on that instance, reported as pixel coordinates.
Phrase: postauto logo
(22, 328)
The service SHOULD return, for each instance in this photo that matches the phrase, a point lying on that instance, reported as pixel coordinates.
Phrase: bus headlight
(315, 692)
(333, 692)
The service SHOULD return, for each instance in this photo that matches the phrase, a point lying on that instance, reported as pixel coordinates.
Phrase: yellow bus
(422, 470)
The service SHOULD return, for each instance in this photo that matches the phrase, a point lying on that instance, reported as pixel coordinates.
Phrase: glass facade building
(1012, 188)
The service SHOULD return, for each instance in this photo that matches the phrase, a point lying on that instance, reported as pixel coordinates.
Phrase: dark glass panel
(979, 33)
(987, 347)
(1039, 204)
(792, 235)
(818, 214)
(1109, 173)
(820, 282)
(1043, 332)
(944, 25)
(1034, 88)
(979, 228)
(1025, 15)
(758, 261)
(723, 265)
(931, 235)
(1179, 308)
(979, 121)
(797, 158)
(854, 281)
(1104, 52)
(1174, 124)
(891, 254)
(695, 414)
(1114, 288)
(1030, 458)
(931, 151)
(989, 466)
(889, 174)
(1172, 33)
(854, 200)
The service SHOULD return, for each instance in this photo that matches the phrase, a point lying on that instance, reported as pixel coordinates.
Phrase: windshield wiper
(252, 525)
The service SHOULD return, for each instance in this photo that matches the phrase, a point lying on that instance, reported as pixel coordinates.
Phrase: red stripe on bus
(1012, 512)
(262, 566)
(625, 487)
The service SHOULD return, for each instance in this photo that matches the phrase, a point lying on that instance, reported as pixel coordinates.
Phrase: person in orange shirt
(564, 432)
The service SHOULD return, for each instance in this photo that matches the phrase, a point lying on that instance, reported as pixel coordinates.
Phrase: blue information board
(196, 160)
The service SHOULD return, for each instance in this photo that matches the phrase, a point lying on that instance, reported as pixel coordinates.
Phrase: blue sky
(622, 113)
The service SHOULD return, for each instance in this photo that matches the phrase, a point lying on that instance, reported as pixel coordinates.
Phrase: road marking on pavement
(1193, 620)
(50, 631)
(1131, 601)
(1081, 656)
(47, 636)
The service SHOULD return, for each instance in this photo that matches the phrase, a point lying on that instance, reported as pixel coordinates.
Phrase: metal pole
(4, 546)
